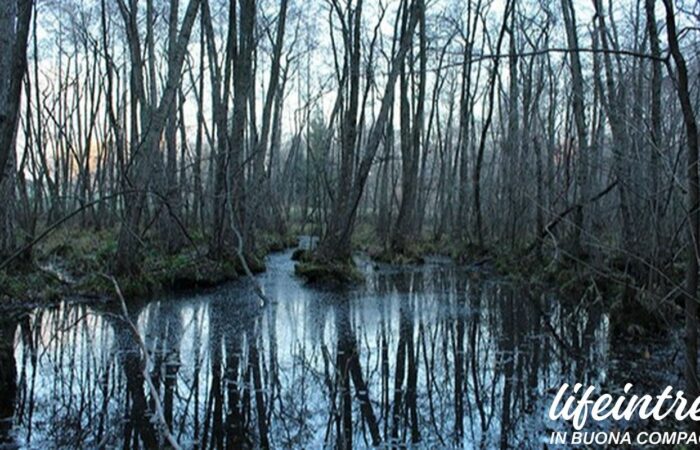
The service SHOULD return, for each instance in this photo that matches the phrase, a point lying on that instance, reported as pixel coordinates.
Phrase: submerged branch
(160, 414)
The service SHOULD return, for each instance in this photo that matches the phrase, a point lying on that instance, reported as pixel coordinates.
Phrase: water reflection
(427, 357)
(8, 381)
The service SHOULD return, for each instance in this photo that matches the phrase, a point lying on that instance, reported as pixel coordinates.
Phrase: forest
(150, 148)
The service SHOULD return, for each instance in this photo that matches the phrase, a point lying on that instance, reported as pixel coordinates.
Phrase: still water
(434, 356)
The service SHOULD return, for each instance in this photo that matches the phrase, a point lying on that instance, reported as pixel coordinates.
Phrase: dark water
(431, 357)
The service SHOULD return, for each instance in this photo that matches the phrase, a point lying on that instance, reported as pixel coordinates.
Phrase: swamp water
(434, 356)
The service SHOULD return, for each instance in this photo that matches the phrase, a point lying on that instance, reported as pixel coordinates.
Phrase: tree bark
(15, 19)
(655, 125)
(411, 140)
(616, 109)
(262, 187)
(580, 120)
(335, 244)
(154, 120)
(476, 180)
(691, 279)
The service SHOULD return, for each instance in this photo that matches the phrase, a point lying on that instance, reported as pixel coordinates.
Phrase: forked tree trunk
(263, 193)
(411, 140)
(145, 157)
(616, 109)
(335, 245)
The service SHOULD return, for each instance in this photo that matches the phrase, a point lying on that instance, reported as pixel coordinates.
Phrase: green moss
(275, 242)
(35, 285)
(138, 287)
(409, 256)
(365, 238)
(93, 284)
(85, 257)
(328, 273)
(160, 274)
(302, 254)
(186, 270)
(79, 251)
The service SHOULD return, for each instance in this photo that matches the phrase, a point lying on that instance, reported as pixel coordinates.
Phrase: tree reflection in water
(426, 356)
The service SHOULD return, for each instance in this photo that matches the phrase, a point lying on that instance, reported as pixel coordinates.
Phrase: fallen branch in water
(241, 257)
(160, 414)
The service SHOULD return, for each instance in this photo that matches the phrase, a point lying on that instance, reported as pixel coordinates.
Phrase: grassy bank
(78, 262)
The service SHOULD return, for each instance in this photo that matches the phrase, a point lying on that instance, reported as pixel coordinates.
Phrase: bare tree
(15, 21)
(691, 280)
(335, 245)
(145, 155)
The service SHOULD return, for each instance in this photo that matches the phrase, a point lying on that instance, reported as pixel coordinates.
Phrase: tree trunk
(335, 245)
(691, 279)
(476, 180)
(145, 158)
(580, 120)
(15, 19)
(411, 139)
(172, 234)
(262, 187)
(655, 125)
(617, 112)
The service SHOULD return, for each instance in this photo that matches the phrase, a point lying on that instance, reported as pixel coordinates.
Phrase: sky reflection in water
(429, 355)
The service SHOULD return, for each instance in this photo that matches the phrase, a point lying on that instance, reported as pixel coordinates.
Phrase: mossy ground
(30, 286)
(331, 274)
(623, 290)
(75, 261)
(78, 262)
(618, 281)
(275, 242)
(366, 239)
